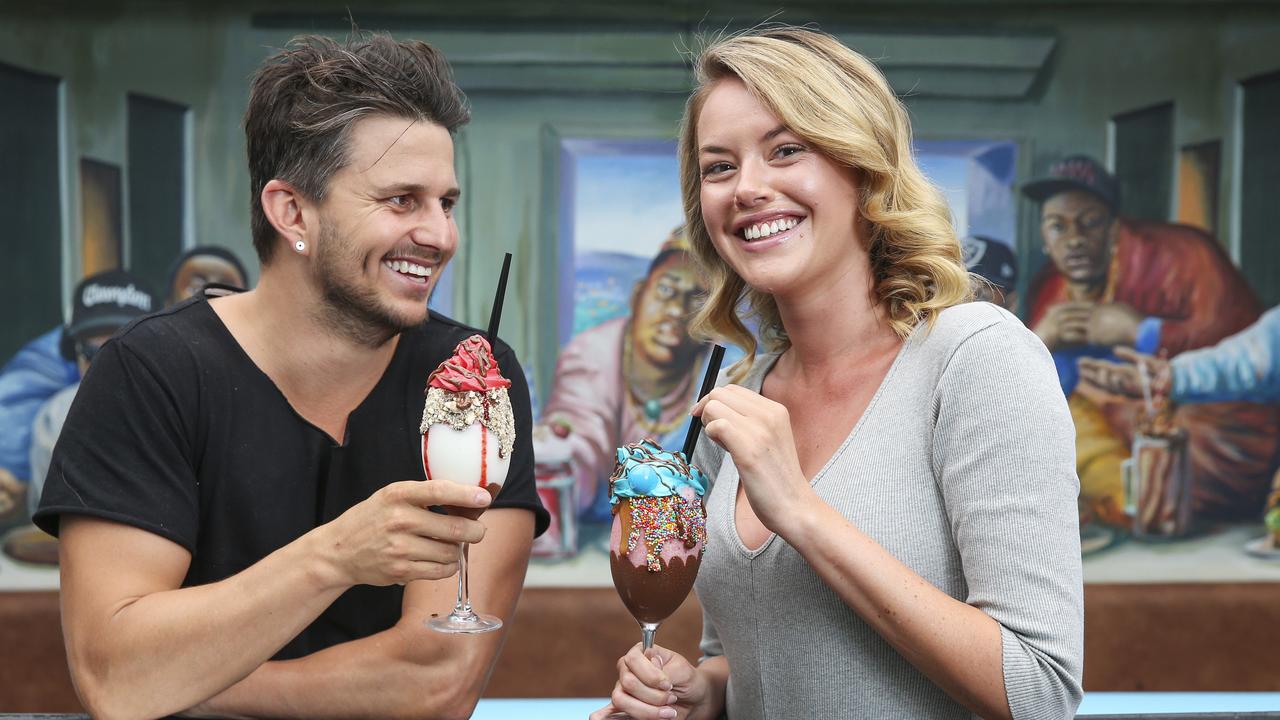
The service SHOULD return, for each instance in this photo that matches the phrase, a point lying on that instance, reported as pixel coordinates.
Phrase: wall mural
(1169, 361)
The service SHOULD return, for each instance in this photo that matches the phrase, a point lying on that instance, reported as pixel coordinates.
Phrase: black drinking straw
(496, 314)
(708, 382)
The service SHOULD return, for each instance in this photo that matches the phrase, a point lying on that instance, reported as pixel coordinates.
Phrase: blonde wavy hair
(838, 101)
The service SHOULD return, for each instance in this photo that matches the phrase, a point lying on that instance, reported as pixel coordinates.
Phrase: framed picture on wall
(1199, 168)
(627, 368)
(102, 220)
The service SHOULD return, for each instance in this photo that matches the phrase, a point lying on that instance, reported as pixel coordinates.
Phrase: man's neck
(1090, 291)
(324, 373)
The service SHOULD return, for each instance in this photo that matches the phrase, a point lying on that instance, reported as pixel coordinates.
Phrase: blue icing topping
(646, 470)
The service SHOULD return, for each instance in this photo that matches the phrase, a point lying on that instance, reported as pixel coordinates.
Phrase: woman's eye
(716, 168)
(789, 150)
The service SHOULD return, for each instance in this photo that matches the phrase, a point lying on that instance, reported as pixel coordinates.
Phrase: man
(191, 271)
(101, 305)
(629, 378)
(244, 525)
(1156, 287)
(993, 261)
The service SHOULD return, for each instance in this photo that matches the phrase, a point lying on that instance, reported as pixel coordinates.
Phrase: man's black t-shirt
(176, 431)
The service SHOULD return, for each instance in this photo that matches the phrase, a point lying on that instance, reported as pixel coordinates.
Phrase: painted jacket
(1243, 367)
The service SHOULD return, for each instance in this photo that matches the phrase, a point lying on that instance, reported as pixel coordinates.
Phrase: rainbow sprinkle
(655, 520)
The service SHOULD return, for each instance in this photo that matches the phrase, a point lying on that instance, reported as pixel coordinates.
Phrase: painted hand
(12, 492)
(1065, 324)
(1123, 378)
(1113, 324)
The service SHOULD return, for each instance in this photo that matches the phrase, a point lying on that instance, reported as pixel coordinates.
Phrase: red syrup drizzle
(484, 444)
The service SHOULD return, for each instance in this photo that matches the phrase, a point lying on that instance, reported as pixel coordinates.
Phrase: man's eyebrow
(413, 189)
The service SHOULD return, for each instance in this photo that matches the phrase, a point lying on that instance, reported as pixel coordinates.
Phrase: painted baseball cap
(104, 303)
(1077, 172)
(992, 260)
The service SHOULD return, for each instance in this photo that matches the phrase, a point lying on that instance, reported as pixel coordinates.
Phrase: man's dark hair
(305, 99)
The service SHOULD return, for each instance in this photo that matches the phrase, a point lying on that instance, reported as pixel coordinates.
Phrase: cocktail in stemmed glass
(468, 434)
(659, 531)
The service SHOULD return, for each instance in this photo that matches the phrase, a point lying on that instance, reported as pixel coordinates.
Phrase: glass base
(471, 623)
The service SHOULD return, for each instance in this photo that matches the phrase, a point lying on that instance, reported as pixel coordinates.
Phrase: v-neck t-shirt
(176, 431)
(963, 468)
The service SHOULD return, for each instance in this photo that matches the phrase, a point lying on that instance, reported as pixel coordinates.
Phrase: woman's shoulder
(981, 335)
(959, 324)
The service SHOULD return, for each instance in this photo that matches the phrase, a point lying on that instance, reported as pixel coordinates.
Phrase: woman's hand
(656, 683)
(756, 431)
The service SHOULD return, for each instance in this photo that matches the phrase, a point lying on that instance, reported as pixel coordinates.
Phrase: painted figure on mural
(200, 266)
(1159, 288)
(41, 369)
(628, 378)
(993, 262)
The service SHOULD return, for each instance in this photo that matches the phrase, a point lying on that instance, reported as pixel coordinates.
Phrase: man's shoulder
(1165, 238)
(173, 335)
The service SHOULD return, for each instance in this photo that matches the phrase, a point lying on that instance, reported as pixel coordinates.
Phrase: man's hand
(12, 492)
(1065, 324)
(392, 538)
(1113, 324)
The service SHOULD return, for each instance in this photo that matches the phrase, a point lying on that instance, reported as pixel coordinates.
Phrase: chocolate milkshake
(659, 529)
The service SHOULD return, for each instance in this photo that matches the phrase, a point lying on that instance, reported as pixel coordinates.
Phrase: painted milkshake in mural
(1159, 289)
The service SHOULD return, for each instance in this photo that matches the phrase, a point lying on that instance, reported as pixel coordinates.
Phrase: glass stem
(647, 631)
(462, 608)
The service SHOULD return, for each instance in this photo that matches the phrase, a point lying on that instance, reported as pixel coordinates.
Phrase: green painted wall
(1104, 61)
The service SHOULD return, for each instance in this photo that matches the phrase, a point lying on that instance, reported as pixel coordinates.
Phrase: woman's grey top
(962, 467)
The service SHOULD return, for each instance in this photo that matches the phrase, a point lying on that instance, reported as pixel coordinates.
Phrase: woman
(892, 525)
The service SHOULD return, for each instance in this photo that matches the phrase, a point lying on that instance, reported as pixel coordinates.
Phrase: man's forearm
(406, 670)
(161, 652)
(382, 675)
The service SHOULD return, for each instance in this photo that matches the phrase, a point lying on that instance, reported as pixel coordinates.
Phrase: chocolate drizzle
(675, 463)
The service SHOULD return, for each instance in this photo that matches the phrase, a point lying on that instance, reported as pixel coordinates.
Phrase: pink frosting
(472, 368)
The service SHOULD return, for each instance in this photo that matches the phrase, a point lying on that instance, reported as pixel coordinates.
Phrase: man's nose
(433, 229)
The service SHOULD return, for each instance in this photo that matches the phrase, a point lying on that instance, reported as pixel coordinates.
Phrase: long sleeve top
(962, 467)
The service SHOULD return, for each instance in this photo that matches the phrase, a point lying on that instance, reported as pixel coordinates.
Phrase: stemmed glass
(469, 455)
(659, 523)
(654, 581)
(490, 473)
